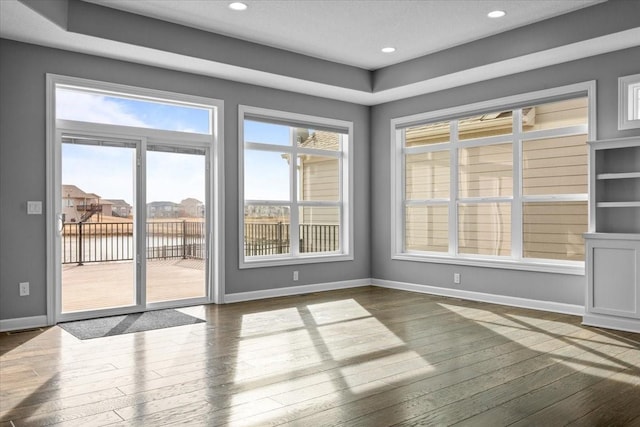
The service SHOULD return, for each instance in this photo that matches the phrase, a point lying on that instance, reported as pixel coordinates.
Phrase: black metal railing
(103, 242)
(273, 239)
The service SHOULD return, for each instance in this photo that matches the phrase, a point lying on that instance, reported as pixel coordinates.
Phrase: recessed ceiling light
(388, 49)
(496, 14)
(238, 6)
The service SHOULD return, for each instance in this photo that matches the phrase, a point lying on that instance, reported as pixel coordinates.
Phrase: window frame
(345, 201)
(516, 103)
(628, 102)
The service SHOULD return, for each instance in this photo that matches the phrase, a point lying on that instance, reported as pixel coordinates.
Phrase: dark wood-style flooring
(359, 357)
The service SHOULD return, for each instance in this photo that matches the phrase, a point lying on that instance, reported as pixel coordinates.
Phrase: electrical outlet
(456, 278)
(24, 289)
(295, 276)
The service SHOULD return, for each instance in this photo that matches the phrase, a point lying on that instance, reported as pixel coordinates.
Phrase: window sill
(259, 262)
(573, 268)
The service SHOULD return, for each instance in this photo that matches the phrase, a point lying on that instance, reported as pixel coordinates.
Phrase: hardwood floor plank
(360, 357)
(612, 385)
(98, 420)
(589, 371)
(620, 410)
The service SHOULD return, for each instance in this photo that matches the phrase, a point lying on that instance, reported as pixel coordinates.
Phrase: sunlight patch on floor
(399, 366)
(267, 322)
(335, 311)
(305, 337)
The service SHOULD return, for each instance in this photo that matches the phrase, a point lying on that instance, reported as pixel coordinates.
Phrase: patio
(110, 284)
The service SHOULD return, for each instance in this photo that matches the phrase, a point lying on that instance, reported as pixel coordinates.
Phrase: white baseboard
(555, 307)
(578, 310)
(295, 290)
(20, 323)
(611, 322)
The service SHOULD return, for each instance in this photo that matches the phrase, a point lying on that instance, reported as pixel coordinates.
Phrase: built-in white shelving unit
(613, 245)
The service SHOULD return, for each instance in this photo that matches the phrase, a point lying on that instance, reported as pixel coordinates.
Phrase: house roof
(73, 192)
(162, 203)
(322, 140)
(117, 202)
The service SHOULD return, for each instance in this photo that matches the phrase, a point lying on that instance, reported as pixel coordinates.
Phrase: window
(493, 186)
(90, 105)
(629, 102)
(295, 188)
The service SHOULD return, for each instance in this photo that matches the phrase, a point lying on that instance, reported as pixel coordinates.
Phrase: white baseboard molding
(555, 307)
(295, 290)
(7, 325)
(611, 322)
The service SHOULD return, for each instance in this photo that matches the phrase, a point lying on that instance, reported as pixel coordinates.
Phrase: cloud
(88, 107)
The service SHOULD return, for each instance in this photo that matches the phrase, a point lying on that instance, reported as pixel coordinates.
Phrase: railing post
(80, 249)
(184, 239)
(279, 236)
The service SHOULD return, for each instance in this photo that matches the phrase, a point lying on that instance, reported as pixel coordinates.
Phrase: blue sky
(89, 107)
(108, 171)
(266, 172)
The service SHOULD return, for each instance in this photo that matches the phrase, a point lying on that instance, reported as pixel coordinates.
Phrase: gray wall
(22, 169)
(22, 166)
(605, 69)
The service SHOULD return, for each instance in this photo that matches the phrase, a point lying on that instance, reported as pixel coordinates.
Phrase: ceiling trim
(175, 57)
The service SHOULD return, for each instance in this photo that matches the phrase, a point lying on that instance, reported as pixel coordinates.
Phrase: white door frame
(215, 186)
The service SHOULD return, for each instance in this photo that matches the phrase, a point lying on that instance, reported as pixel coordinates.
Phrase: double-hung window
(502, 183)
(295, 188)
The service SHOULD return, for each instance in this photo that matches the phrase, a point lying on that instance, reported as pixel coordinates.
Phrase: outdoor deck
(110, 284)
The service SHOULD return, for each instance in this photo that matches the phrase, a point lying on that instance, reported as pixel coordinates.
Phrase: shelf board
(623, 175)
(618, 204)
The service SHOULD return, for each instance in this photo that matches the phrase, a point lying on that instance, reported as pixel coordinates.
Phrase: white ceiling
(352, 32)
(349, 32)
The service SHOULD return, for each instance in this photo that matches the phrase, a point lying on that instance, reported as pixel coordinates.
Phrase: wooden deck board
(358, 357)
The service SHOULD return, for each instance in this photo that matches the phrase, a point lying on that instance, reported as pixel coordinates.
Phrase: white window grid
(518, 137)
(343, 204)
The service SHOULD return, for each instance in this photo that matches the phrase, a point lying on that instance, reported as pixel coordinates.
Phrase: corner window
(629, 102)
(501, 187)
(295, 180)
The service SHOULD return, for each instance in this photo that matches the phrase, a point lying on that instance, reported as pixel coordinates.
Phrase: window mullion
(294, 214)
(453, 188)
(516, 205)
(400, 226)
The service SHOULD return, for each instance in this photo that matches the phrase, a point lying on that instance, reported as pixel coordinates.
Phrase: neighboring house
(163, 210)
(192, 208)
(319, 177)
(119, 207)
(80, 206)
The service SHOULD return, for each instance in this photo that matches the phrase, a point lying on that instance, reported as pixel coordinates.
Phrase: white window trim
(397, 210)
(346, 187)
(215, 169)
(628, 104)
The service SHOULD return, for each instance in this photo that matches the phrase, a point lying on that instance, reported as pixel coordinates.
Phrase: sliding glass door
(98, 242)
(115, 255)
(176, 229)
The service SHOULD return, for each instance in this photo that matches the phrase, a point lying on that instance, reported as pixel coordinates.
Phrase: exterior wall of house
(23, 68)
(320, 181)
